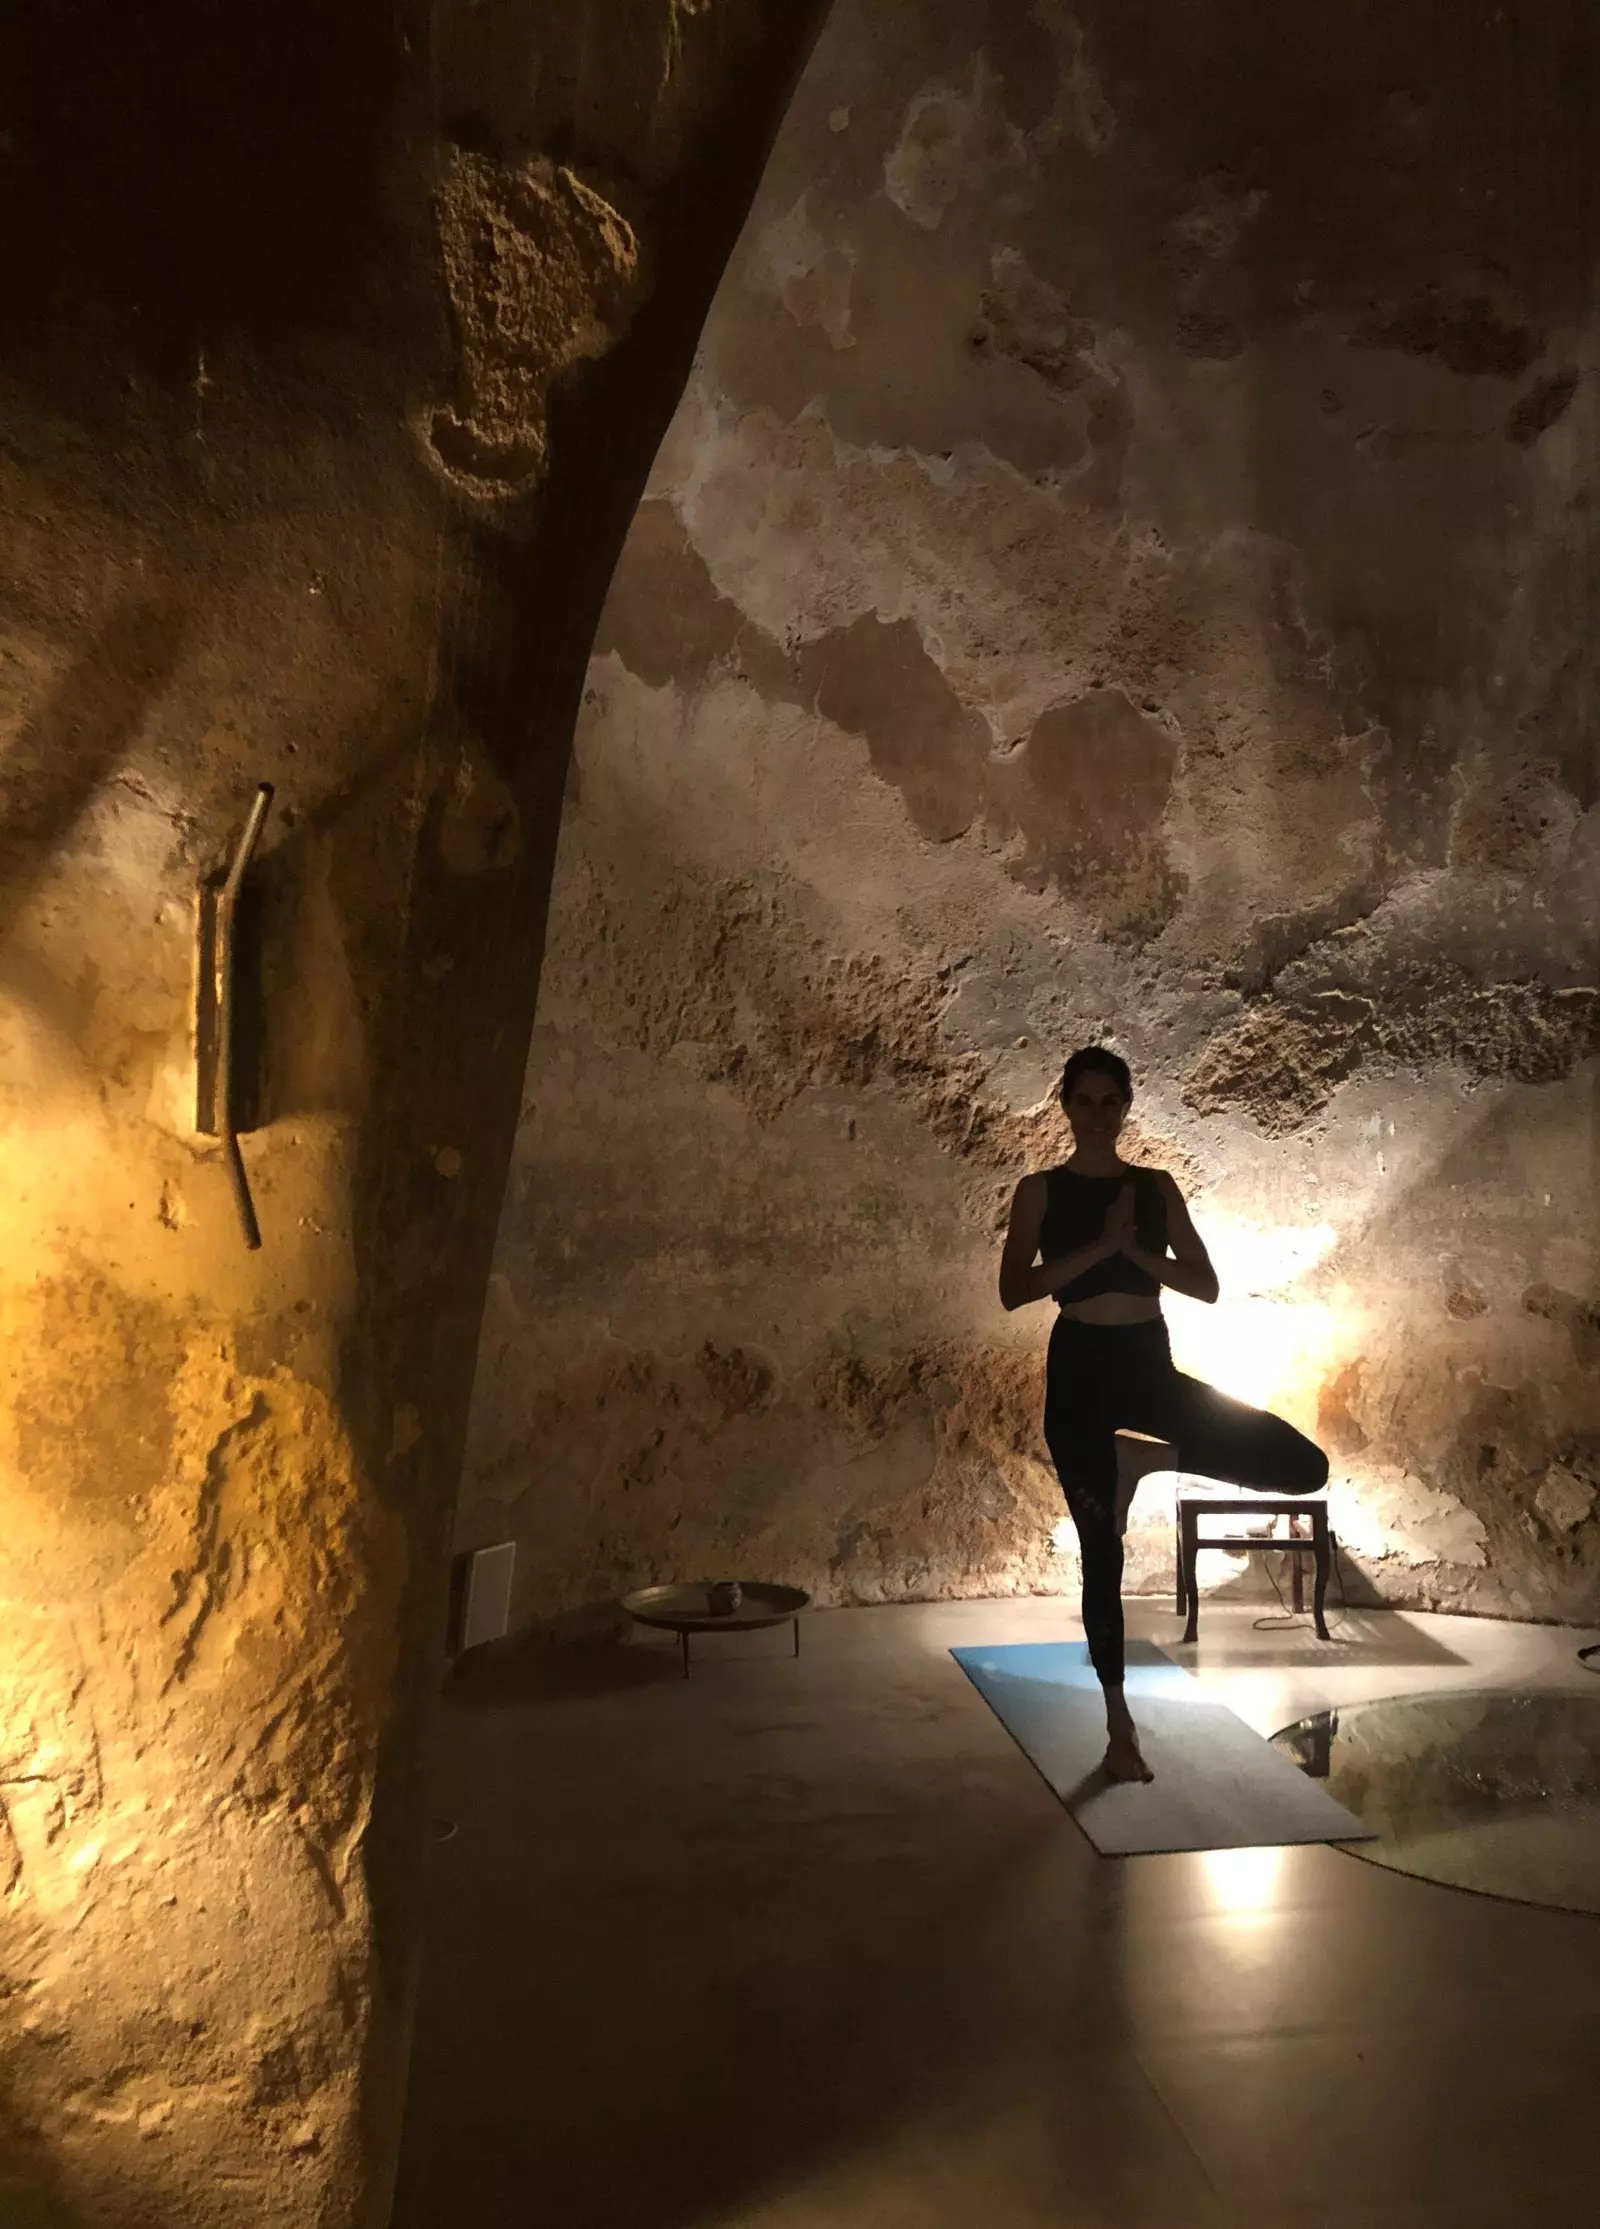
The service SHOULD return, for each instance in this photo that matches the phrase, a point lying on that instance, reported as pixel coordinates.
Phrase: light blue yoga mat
(1218, 1784)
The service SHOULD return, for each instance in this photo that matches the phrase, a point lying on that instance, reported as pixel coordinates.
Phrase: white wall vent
(483, 1595)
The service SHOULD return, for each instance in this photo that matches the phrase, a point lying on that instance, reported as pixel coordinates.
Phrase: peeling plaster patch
(1537, 411)
(1464, 1300)
(1026, 319)
(1210, 231)
(1081, 111)
(1202, 333)
(1389, 1515)
(1565, 1499)
(1339, 1428)
(1471, 336)
(738, 1378)
(927, 167)
(1282, 1060)
(949, 141)
(543, 275)
(726, 968)
(793, 264)
(1515, 819)
(761, 499)
(1087, 794)
(1280, 1067)
(665, 618)
(1579, 1318)
(922, 1475)
(879, 682)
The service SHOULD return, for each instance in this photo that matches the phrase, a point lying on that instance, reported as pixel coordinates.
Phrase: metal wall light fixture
(217, 1036)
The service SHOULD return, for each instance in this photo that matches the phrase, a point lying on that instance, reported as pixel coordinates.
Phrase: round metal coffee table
(685, 1608)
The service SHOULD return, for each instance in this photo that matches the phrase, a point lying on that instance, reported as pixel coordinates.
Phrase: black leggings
(1102, 1376)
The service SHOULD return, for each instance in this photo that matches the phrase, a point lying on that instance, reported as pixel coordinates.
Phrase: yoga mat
(1218, 1784)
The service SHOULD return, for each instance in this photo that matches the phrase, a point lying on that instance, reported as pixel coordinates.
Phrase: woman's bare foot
(1123, 1759)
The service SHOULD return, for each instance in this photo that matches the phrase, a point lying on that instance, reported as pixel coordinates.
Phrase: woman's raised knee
(1308, 1472)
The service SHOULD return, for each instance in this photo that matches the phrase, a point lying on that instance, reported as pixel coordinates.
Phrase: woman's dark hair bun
(1096, 1059)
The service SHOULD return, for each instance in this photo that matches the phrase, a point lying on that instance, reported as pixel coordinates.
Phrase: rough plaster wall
(1124, 564)
(325, 354)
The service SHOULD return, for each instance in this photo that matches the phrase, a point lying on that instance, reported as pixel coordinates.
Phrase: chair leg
(1180, 1589)
(1322, 1540)
(1187, 1579)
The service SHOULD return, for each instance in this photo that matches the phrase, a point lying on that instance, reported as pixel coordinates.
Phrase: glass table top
(1494, 1792)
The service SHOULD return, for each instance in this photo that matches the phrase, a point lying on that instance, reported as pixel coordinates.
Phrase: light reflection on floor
(807, 1944)
(1242, 1880)
(1489, 1791)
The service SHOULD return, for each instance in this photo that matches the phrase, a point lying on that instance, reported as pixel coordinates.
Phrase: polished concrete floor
(810, 1946)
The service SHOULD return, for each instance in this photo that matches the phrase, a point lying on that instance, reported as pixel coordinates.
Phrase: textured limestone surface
(328, 352)
(1123, 565)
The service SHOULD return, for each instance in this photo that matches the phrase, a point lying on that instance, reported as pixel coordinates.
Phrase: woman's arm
(1188, 1267)
(1022, 1279)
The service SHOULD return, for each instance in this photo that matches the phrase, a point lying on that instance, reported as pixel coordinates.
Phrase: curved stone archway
(337, 343)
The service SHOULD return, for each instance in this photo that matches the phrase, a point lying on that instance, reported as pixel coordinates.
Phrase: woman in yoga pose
(1101, 1238)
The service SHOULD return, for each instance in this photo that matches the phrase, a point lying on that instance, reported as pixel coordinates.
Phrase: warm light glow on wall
(1259, 1343)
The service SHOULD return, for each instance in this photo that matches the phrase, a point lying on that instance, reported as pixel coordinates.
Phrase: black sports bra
(1075, 1214)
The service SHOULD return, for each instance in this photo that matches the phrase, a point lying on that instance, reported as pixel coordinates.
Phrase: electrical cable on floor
(1293, 1620)
(1297, 1620)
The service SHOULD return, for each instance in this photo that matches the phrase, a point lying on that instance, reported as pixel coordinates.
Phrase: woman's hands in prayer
(1119, 1233)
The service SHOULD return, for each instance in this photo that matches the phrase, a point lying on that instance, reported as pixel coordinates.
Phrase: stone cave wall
(334, 340)
(1123, 567)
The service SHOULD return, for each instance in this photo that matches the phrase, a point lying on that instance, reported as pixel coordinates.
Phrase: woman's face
(1096, 1110)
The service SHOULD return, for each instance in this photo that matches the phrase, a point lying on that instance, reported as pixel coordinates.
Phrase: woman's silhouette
(1102, 1237)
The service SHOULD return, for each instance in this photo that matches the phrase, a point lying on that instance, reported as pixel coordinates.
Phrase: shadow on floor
(806, 1944)
(1354, 1637)
(671, 2101)
(522, 1670)
(669, 1968)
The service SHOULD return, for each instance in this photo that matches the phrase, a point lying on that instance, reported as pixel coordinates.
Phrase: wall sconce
(227, 1020)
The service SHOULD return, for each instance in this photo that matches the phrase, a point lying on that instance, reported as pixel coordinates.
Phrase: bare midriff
(1113, 1308)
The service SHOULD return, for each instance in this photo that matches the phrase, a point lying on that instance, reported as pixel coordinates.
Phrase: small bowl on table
(692, 1606)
